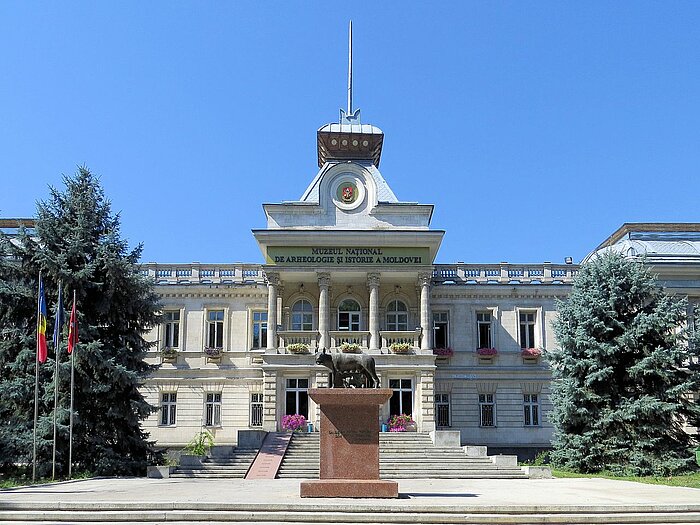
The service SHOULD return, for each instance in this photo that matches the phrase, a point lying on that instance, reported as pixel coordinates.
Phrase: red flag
(72, 330)
(41, 349)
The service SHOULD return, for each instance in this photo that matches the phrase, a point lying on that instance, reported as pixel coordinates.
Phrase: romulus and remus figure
(349, 370)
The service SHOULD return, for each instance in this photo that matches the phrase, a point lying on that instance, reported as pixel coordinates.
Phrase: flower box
(400, 348)
(486, 352)
(443, 352)
(168, 354)
(213, 354)
(298, 348)
(350, 348)
(531, 353)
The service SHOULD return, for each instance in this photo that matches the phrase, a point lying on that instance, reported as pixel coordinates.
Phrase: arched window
(302, 315)
(349, 316)
(396, 316)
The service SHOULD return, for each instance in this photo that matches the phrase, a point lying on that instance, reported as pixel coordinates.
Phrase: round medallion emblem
(347, 192)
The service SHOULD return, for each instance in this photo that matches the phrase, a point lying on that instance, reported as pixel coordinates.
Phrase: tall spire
(350, 70)
(350, 116)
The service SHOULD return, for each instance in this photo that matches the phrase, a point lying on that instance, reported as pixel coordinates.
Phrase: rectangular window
(442, 410)
(256, 409)
(259, 329)
(531, 407)
(168, 403)
(171, 329)
(215, 329)
(487, 410)
(401, 401)
(483, 328)
(212, 410)
(527, 330)
(297, 397)
(440, 330)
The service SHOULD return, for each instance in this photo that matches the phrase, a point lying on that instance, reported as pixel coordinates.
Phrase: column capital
(373, 279)
(324, 278)
(425, 278)
(273, 278)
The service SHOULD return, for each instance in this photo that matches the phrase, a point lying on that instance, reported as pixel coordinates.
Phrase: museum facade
(350, 267)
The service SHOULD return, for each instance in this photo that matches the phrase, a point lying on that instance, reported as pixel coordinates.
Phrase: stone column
(373, 284)
(424, 279)
(273, 280)
(324, 314)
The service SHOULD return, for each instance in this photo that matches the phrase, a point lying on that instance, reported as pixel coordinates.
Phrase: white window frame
(208, 323)
(443, 399)
(487, 400)
(297, 389)
(302, 320)
(171, 327)
(168, 409)
(531, 410)
(354, 316)
(437, 320)
(393, 315)
(401, 389)
(263, 328)
(481, 321)
(256, 409)
(530, 340)
(212, 402)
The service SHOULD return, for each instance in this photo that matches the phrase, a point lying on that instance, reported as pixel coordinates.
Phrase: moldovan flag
(42, 352)
(72, 329)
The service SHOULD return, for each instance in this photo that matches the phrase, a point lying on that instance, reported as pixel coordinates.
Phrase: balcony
(338, 337)
(411, 337)
(290, 337)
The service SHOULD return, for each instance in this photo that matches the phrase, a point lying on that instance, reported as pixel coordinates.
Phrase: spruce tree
(77, 244)
(621, 375)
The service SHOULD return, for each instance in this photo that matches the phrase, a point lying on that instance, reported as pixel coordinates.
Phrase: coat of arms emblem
(348, 193)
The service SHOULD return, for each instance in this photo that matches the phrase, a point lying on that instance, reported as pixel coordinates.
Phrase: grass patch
(686, 480)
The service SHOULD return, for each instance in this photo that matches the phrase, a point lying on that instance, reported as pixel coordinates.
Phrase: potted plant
(293, 423)
(400, 348)
(298, 348)
(402, 423)
(197, 449)
(350, 348)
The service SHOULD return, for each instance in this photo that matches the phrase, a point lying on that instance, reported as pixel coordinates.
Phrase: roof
(349, 142)
(658, 242)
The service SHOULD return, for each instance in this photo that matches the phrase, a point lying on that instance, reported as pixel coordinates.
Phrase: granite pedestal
(349, 466)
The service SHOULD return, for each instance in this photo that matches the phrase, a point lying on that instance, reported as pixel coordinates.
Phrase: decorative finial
(350, 117)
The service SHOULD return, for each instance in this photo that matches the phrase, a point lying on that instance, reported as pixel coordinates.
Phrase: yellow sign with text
(346, 256)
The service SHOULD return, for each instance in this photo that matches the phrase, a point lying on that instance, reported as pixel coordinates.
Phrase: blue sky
(536, 129)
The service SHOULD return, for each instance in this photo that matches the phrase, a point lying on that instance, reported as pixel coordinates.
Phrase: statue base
(349, 488)
(349, 436)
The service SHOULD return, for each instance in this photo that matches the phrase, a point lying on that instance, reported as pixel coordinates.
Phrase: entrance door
(297, 397)
(401, 401)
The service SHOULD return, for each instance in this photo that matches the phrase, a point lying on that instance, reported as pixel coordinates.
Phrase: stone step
(367, 513)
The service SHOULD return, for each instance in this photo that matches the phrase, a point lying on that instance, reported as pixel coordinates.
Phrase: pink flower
(445, 352)
(486, 351)
(293, 422)
(531, 352)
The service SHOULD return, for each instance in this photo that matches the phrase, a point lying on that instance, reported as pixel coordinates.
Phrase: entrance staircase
(402, 455)
(234, 464)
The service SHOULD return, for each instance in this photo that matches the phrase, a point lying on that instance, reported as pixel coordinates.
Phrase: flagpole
(57, 347)
(72, 384)
(36, 378)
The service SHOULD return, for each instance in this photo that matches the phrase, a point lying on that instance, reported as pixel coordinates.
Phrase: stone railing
(290, 337)
(504, 273)
(338, 337)
(411, 337)
(196, 273)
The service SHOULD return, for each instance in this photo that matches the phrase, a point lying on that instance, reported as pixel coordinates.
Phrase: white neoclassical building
(349, 263)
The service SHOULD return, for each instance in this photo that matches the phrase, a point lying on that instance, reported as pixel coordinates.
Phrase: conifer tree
(621, 375)
(78, 244)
